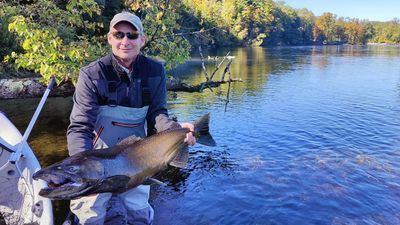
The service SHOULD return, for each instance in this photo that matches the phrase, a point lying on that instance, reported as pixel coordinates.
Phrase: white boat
(20, 202)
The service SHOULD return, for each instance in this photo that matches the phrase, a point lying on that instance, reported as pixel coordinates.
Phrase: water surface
(311, 136)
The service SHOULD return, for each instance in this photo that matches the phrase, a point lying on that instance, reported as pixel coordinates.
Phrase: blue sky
(373, 10)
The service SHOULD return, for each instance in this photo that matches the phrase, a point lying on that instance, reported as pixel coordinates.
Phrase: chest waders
(115, 122)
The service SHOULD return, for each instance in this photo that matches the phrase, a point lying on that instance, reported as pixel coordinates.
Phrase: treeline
(57, 37)
(266, 22)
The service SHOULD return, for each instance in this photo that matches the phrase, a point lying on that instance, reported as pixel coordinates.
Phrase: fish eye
(72, 169)
(59, 167)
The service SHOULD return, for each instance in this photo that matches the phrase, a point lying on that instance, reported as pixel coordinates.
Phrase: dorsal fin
(105, 153)
(129, 140)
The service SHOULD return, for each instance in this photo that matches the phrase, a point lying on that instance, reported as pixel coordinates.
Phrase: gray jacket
(146, 85)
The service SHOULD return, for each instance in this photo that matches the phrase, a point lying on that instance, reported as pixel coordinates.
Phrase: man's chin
(125, 57)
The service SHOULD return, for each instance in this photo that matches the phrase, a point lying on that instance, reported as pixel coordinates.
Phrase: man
(116, 97)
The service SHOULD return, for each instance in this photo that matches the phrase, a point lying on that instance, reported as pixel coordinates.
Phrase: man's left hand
(190, 139)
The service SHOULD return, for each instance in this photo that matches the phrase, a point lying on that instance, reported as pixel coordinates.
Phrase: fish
(130, 163)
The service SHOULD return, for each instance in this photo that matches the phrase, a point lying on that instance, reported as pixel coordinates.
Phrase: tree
(306, 25)
(354, 32)
(57, 39)
(7, 39)
(369, 32)
(160, 23)
(325, 28)
(253, 21)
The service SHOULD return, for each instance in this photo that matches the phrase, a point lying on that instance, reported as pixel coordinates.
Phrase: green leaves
(160, 23)
(44, 50)
(57, 40)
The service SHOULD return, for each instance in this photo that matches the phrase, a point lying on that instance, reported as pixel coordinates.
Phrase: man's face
(124, 48)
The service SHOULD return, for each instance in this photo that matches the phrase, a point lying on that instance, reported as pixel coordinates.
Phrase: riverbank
(32, 87)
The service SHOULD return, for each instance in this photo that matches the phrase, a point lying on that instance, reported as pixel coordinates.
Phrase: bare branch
(196, 32)
(227, 70)
(202, 64)
(180, 86)
(217, 68)
(227, 95)
(177, 85)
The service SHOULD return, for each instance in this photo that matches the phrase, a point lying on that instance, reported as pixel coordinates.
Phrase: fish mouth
(61, 187)
(55, 182)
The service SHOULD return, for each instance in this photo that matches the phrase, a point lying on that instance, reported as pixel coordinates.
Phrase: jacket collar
(120, 69)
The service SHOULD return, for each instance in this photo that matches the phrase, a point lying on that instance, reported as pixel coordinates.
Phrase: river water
(311, 136)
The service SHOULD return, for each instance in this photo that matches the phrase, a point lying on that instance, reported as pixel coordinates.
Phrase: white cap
(130, 18)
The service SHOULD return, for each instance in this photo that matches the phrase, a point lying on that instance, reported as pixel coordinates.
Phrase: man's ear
(109, 36)
(142, 40)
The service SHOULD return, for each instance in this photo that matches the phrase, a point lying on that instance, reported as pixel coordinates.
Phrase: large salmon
(130, 163)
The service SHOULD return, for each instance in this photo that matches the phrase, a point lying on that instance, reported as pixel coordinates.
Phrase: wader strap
(141, 73)
(146, 94)
(143, 93)
(112, 82)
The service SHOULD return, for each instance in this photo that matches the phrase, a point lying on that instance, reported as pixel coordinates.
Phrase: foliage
(387, 32)
(265, 22)
(58, 39)
(48, 51)
(287, 27)
(160, 25)
(325, 28)
(249, 22)
(7, 39)
(354, 32)
(306, 25)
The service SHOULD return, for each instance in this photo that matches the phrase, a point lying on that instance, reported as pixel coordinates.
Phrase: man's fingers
(188, 125)
(190, 139)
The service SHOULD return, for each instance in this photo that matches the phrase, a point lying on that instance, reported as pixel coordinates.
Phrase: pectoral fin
(151, 181)
(181, 158)
(113, 184)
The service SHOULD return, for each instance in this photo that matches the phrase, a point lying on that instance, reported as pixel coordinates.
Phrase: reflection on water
(312, 136)
(47, 138)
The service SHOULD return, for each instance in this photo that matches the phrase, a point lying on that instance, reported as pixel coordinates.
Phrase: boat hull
(20, 202)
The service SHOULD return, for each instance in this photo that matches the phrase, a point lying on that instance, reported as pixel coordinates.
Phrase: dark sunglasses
(130, 35)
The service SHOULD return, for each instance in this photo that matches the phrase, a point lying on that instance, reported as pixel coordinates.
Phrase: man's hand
(190, 139)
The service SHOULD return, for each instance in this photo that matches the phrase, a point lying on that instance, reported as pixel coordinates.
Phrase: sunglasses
(130, 35)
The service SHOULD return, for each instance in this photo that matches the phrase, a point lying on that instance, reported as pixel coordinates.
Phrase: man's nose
(125, 40)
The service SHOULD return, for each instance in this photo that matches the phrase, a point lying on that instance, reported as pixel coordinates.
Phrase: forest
(57, 37)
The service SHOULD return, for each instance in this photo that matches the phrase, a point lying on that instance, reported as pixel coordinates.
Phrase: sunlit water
(311, 136)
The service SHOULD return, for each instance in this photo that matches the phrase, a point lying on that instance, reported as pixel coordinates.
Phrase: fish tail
(201, 131)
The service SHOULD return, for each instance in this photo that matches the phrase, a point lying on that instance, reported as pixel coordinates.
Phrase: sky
(373, 10)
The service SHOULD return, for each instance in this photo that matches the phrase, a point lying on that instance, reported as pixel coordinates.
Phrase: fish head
(71, 178)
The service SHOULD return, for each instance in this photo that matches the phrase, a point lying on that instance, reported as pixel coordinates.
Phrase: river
(311, 136)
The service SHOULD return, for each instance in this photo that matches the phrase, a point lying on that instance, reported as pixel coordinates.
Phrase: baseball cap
(130, 18)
